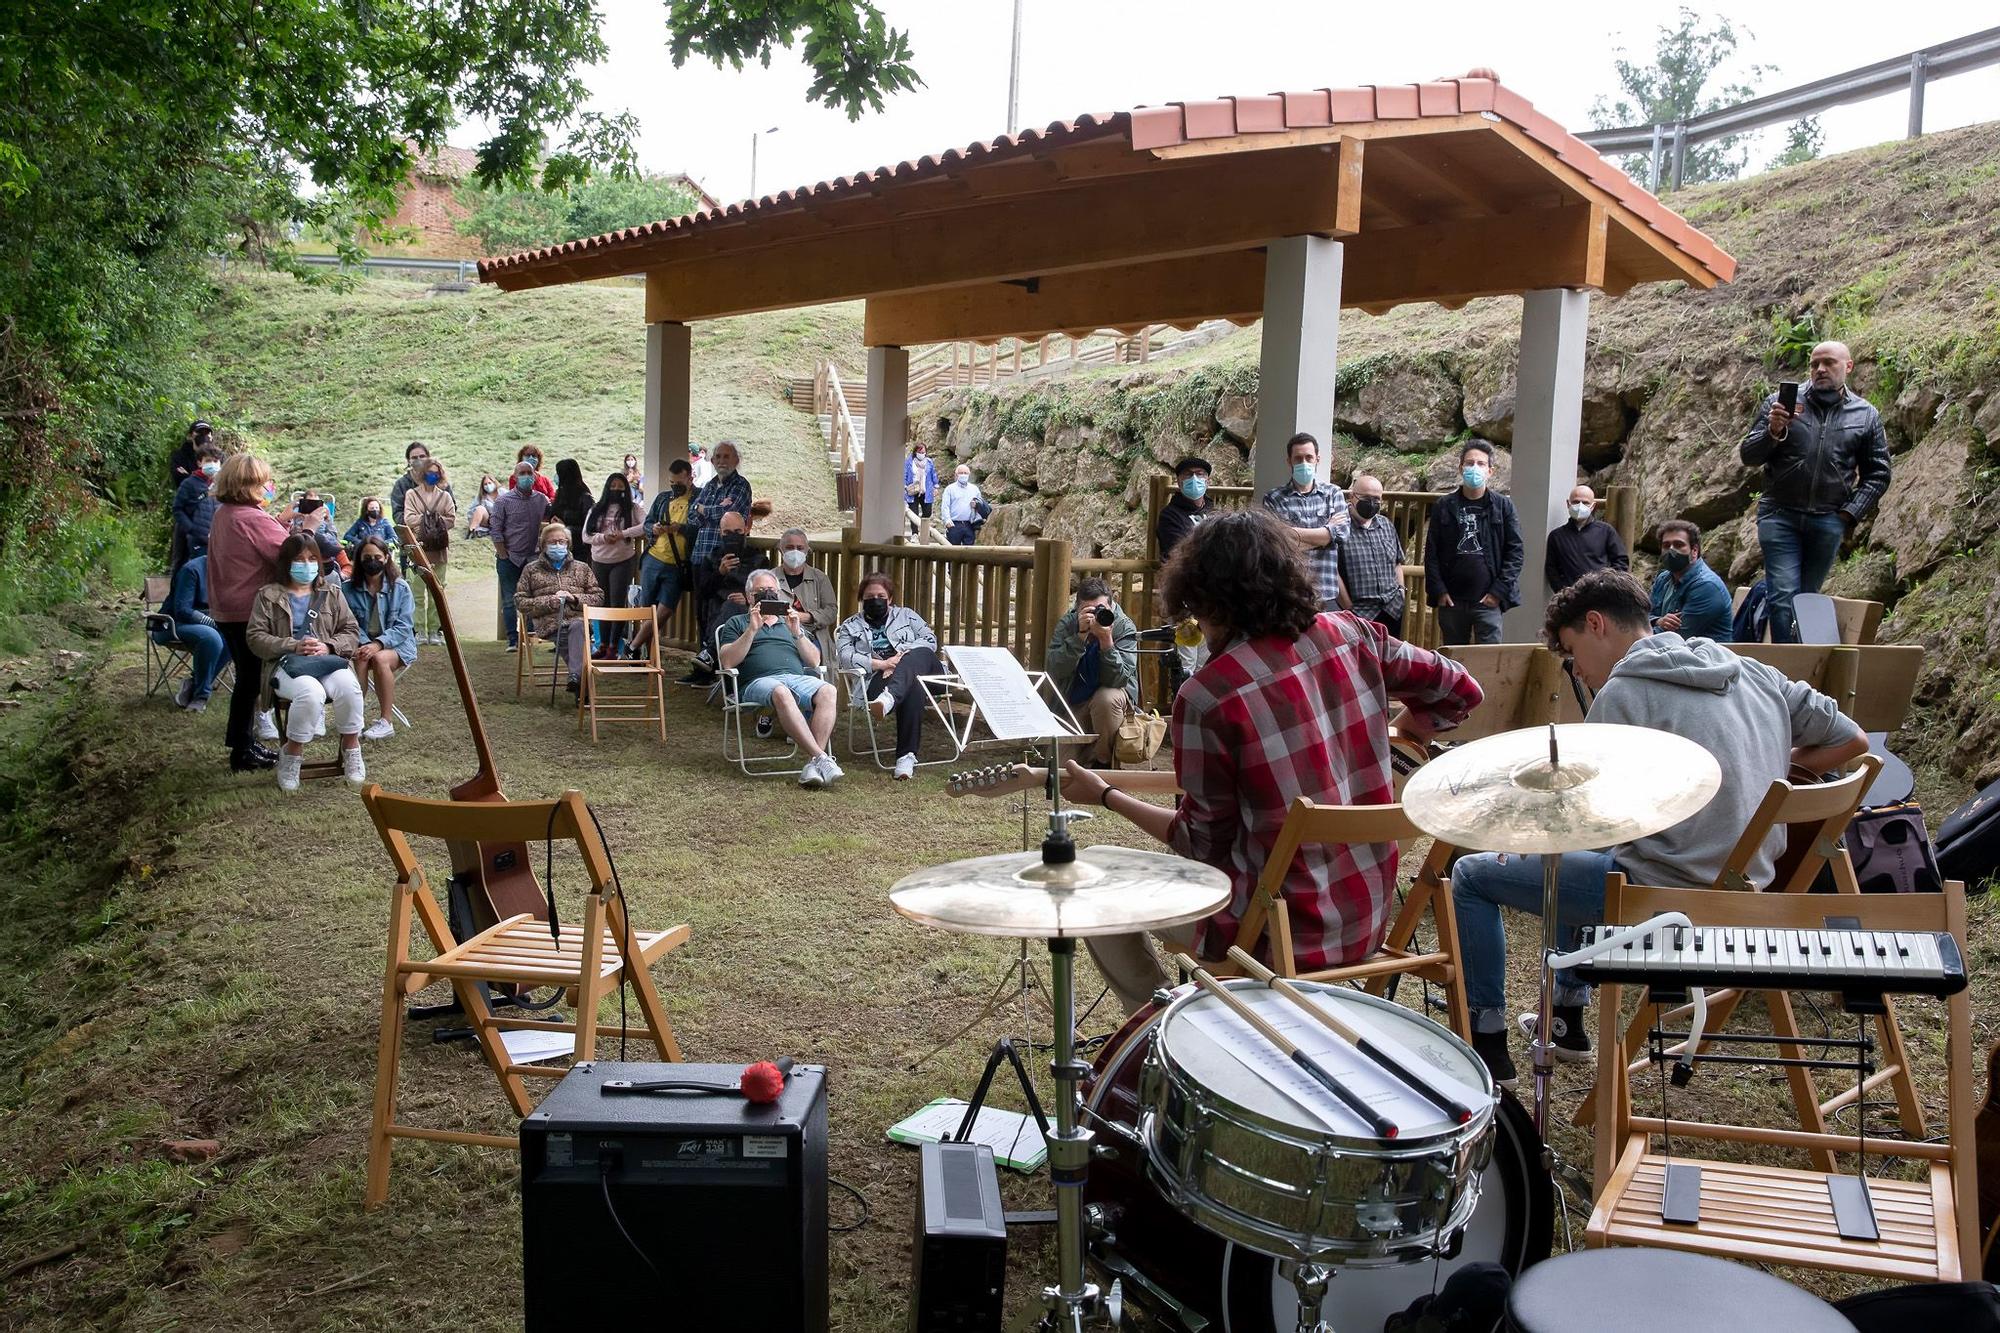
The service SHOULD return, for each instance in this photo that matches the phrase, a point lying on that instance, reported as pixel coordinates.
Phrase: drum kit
(1231, 1188)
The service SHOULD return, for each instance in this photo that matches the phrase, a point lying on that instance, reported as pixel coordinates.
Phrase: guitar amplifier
(675, 1210)
(961, 1247)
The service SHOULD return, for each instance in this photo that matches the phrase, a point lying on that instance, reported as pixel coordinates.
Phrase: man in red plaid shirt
(1292, 703)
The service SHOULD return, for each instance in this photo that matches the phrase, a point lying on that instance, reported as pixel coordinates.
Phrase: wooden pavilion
(1284, 208)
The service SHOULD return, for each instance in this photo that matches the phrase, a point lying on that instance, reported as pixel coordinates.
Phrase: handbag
(1139, 736)
(318, 666)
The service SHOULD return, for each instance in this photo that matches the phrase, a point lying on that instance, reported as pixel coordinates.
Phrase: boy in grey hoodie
(1755, 721)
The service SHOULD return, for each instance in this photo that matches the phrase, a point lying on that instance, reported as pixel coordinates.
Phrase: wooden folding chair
(528, 673)
(587, 960)
(1783, 1215)
(607, 707)
(1429, 893)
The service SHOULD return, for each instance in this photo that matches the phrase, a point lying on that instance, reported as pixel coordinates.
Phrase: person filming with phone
(773, 648)
(1826, 464)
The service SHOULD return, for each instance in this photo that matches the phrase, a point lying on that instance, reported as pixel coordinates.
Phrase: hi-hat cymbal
(1609, 784)
(1105, 891)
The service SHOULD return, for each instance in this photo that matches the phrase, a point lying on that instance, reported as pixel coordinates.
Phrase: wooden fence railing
(844, 445)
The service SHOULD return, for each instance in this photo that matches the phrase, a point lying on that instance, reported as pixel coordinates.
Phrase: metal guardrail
(1973, 51)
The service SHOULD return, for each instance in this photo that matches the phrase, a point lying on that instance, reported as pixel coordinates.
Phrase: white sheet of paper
(1014, 1138)
(530, 1046)
(1007, 699)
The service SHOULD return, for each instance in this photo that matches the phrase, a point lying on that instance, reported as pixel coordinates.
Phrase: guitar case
(1968, 842)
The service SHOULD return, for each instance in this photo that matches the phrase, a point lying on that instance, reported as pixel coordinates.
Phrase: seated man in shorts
(777, 656)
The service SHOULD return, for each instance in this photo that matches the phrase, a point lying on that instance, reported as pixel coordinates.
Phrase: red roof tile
(1396, 101)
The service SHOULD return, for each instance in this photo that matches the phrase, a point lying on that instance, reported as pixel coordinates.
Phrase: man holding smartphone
(773, 648)
(1826, 464)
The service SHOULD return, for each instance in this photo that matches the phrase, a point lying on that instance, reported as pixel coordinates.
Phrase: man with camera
(1826, 464)
(1094, 660)
(773, 648)
(720, 577)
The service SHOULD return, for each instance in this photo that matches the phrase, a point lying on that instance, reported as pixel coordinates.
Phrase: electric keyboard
(1903, 962)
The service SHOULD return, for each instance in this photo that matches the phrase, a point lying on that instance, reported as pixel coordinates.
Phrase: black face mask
(372, 566)
(680, 488)
(1677, 562)
(875, 610)
(732, 541)
(1367, 506)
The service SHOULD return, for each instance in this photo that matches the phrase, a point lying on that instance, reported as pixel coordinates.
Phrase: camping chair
(730, 681)
(588, 961)
(1268, 917)
(1815, 816)
(1773, 1214)
(165, 662)
(649, 707)
(937, 697)
(528, 673)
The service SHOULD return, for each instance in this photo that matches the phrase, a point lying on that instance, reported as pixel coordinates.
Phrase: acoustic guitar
(497, 879)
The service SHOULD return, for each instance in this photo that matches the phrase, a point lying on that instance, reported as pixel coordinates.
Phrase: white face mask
(1579, 510)
(793, 559)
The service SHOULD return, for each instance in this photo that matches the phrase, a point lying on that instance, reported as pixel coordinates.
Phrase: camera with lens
(1103, 615)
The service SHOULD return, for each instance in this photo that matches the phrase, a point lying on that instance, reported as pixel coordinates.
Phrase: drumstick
(1384, 1127)
(1451, 1106)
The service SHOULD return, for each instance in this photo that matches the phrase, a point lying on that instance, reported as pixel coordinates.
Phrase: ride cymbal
(1105, 891)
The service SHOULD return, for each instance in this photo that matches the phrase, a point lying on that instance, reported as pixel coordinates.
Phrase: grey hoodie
(1748, 715)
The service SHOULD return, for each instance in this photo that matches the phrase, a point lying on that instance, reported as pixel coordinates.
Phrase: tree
(509, 220)
(1804, 140)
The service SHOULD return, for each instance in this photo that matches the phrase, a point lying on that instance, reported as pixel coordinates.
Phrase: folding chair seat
(937, 697)
(165, 662)
(587, 960)
(530, 674)
(607, 706)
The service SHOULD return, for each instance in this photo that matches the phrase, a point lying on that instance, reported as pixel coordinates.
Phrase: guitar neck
(487, 779)
(1006, 779)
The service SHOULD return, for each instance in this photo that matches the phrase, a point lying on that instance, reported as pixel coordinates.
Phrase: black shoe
(250, 761)
(1492, 1049)
(698, 678)
(263, 756)
(765, 726)
(1568, 1042)
(574, 686)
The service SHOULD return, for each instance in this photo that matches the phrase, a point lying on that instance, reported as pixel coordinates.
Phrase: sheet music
(1389, 1095)
(1007, 699)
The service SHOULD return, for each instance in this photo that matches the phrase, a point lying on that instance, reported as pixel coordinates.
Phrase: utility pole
(1014, 75)
(754, 134)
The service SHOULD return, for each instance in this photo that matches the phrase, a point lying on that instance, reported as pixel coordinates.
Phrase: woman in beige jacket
(299, 625)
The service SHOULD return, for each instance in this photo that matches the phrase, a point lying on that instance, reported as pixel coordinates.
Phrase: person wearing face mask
(1187, 508)
(614, 528)
(1689, 598)
(385, 613)
(635, 479)
(964, 508)
(1473, 554)
(194, 506)
(431, 512)
(187, 454)
(531, 454)
(479, 519)
(920, 484)
(664, 571)
(810, 589)
(305, 635)
(516, 524)
(889, 647)
(554, 589)
(776, 658)
(243, 545)
(1371, 561)
(416, 462)
(371, 523)
(1316, 512)
(1583, 544)
(1826, 465)
(719, 589)
(1333, 679)
(727, 492)
(572, 504)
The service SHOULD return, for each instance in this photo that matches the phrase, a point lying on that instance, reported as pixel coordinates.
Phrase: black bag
(1891, 851)
(1962, 1307)
(1968, 843)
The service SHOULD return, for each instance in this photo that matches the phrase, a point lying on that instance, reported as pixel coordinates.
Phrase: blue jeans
(210, 655)
(659, 583)
(1481, 885)
(804, 689)
(1799, 550)
(510, 577)
(1466, 624)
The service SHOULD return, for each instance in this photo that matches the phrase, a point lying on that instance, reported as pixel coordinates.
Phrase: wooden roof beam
(1320, 135)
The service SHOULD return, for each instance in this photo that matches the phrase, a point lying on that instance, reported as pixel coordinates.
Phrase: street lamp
(754, 136)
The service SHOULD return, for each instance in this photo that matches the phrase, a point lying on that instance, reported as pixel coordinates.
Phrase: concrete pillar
(1296, 363)
(888, 422)
(1548, 421)
(668, 358)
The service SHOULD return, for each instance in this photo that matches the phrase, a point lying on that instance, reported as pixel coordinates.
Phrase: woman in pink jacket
(243, 547)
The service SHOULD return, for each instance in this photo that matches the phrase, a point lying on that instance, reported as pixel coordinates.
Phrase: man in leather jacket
(1826, 464)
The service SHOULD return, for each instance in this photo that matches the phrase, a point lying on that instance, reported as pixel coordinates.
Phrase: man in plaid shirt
(728, 491)
(1371, 561)
(1293, 703)
(1316, 512)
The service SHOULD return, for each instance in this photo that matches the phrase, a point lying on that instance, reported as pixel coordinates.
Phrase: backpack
(433, 533)
(1968, 842)
(1753, 618)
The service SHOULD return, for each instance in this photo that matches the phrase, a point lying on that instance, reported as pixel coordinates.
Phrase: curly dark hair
(1241, 570)
(1612, 593)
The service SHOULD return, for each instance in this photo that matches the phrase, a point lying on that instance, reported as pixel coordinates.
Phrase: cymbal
(1105, 891)
(1610, 784)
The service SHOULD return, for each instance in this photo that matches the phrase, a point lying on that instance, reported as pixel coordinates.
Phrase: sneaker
(828, 769)
(1568, 1042)
(766, 724)
(185, 694)
(288, 771)
(810, 776)
(513, 647)
(381, 729)
(352, 765)
(906, 767)
(1493, 1052)
(267, 726)
(882, 705)
(197, 706)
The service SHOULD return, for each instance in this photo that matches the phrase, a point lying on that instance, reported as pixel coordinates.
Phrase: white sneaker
(381, 729)
(352, 765)
(828, 769)
(810, 776)
(267, 726)
(288, 771)
(882, 705)
(906, 767)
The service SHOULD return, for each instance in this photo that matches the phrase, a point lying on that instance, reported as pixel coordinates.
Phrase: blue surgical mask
(1472, 475)
(303, 572)
(1194, 488)
(558, 556)
(433, 477)
(1302, 474)
(525, 480)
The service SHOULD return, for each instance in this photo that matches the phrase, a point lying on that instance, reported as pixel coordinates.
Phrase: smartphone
(311, 506)
(773, 608)
(1788, 395)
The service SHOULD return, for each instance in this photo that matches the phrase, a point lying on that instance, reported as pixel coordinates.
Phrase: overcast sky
(1112, 55)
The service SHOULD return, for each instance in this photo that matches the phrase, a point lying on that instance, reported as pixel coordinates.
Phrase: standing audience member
(531, 454)
(416, 462)
(243, 547)
(1583, 544)
(572, 503)
(920, 484)
(555, 587)
(1316, 512)
(187, 454)
(665, 572)
(702, 470)
(305, 636)
(964, 508)
(1826, 464)
(194, 505)
(194, 629)
(1473, 558)
(1294, 703)
(727, 492)
(370, 523)
(479, 520)
(1188, 508)
(431, 512)
(889, 647)
(385, 615)
(1688, 598)
(516, 524)
(635, 479)
(776, 658)
(1371, 561)
(614, 529)
(1094, 660)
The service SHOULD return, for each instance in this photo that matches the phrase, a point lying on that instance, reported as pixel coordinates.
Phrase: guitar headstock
(995, 780)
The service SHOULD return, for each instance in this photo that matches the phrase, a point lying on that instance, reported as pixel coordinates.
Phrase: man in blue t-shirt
(777, 656)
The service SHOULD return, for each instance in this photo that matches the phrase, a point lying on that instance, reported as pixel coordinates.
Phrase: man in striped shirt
(1316, 513)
